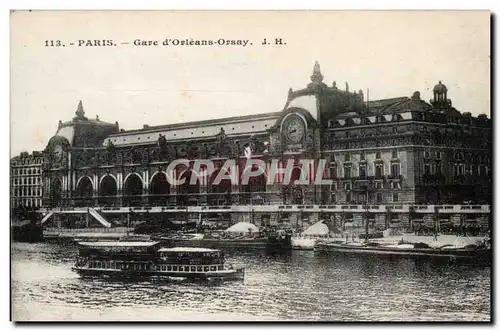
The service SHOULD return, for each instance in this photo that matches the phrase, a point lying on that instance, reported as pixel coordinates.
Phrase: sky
(392, 54)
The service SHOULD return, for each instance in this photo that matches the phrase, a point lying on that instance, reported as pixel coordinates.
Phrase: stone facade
(26, 180)
(393, 151)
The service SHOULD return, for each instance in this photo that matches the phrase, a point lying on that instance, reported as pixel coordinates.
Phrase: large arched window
(84, 188)
(132, 190)
(254, 191)
(84, 192)
(159, 189)
(295, 191)
(107, 191)
(187, 194)
(220, 193)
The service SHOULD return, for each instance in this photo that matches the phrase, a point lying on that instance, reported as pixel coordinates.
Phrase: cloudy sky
(391, 53)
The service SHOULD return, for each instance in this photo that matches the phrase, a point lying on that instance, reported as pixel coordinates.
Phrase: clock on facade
(294, 129)
(58, 152)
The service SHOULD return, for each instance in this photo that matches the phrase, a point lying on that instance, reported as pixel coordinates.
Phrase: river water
(300, 285)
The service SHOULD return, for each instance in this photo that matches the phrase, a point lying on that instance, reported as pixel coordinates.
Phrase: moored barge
(280, 240)
(467, 252)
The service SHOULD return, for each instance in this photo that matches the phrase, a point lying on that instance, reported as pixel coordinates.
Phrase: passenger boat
(418, 249)
(147, 259)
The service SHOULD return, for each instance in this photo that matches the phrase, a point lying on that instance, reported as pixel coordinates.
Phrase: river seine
(300, 285)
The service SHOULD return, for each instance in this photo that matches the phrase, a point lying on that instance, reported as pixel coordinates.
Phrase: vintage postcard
(251, 166)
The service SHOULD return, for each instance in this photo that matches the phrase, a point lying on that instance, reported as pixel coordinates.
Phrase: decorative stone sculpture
(222, 146)
(162, 141)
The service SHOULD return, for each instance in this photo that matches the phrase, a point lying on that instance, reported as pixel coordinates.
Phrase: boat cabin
(190, 259)
(117, 255)
(136, 250)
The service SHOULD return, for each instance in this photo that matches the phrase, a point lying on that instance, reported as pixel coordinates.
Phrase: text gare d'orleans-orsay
(166, 42)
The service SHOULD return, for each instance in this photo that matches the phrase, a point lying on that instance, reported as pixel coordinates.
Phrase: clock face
(294, 129)
(58, 152)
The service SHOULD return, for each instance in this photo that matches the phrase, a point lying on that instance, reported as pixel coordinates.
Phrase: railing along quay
(404, 208)
(87, 230)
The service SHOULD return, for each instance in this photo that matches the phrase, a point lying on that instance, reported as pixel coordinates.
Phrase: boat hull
(227, 274)
(429, 252)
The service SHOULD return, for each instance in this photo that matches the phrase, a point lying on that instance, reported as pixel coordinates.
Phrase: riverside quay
(401, 161)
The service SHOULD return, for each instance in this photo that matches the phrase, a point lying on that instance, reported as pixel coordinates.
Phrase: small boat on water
(405, 249)
(130, 259)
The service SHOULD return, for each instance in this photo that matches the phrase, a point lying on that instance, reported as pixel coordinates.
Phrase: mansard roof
(376, 106)
(232, 126)
(82, 132)
(406, 105)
